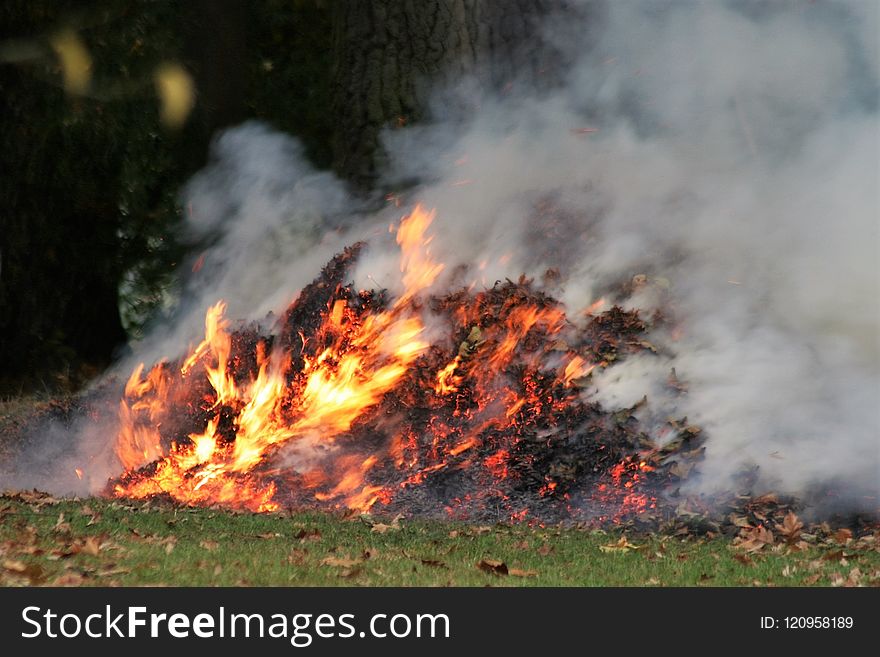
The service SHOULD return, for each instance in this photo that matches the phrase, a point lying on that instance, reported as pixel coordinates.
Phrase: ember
(345, 403)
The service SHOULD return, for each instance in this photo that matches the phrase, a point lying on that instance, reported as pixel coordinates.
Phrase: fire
(350, 405)
(364, 361)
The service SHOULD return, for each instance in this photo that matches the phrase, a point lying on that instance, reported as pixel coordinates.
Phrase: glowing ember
(345, 403)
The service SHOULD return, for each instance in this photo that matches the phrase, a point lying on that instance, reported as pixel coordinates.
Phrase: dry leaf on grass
(790, 529)
(92, 545)
(304, 535)
(340, 562)
(753, 539)
(620, 547)
(493, 566)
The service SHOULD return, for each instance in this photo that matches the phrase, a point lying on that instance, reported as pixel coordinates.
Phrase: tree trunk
(389, 53)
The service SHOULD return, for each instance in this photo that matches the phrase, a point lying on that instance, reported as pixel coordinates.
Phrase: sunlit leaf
(176, 94)
(75, 60)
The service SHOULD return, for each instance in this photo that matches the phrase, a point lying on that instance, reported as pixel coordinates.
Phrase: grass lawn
(44, 541)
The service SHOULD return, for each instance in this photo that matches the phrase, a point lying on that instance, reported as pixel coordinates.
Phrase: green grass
(96, 542)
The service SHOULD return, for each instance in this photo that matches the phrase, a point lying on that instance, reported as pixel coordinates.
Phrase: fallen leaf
(92, 545)
(790, 528)
(753, 539)
(340, 562)
(623, 545)
(15, 566)
(516, 572)
(545, 549)
(110, 571)
(69, 578)
(308, 535)
(210, 546)
(836, 555)
(434, 563)
(493, 566)
(60, 525)
(296, 557)
(841, 536)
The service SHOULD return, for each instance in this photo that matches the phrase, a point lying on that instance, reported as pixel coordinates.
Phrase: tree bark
(390, 53)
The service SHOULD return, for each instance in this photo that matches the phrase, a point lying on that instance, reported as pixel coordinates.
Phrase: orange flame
(339, 385)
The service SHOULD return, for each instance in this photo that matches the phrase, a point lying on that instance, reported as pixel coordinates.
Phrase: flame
(364, 362)
(473, 407)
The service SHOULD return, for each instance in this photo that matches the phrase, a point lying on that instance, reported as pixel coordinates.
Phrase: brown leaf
(790, 528)
(493, 566)
(92, 545)
(516, 572)
(744, 559)
(115, 570)
(14, 566)
(812, 579)
(841, 536)
(296, 557)
(621, 546)
(60, 525)
(68, 578)
(269, 535)
(434, 563)
(304, 535)
(350, 572)
(210, 546)
(545, 549)
(381, 527)
(836, 555)
(753, 539)
(340, 562)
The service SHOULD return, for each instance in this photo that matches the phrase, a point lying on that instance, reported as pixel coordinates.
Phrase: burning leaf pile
(350, 400)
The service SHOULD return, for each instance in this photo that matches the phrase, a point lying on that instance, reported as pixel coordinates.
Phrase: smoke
(729, 153)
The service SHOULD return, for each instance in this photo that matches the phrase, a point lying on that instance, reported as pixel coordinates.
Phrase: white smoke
(733, 150)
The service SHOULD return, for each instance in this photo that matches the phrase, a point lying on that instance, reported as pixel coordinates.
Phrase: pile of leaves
(552, 455)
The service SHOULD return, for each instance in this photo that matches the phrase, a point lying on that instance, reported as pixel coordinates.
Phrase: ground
(46, 541)
(49, 541)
